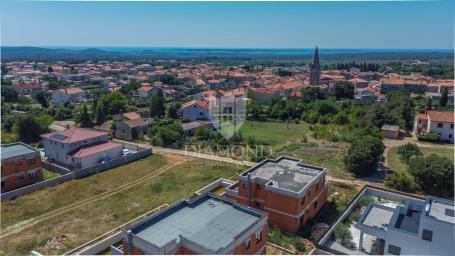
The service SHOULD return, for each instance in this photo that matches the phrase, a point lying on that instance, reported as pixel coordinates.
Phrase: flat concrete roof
(378, 217)
(286, 173)
(210, 222)
(442, 209)
(16, 149)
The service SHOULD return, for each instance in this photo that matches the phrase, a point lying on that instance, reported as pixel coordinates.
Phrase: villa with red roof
(72, 94)
(435, 121)
(78, 148)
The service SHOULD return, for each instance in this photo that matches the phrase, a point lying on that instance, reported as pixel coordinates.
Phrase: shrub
(429, 137)
(401, 181)
(342, 234)
(408, 150)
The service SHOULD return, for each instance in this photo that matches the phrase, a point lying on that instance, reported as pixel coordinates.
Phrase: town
(90, 122)
(227, 128)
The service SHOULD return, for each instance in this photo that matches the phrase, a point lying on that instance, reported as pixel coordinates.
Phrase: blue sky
(411, 24)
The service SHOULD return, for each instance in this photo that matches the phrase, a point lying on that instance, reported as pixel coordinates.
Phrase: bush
(409, 150)
(342, 234)
(429, 137)
(402, 181)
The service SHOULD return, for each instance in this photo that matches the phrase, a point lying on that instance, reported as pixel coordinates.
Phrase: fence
(55, 168)
(37, 186)
(143, 152)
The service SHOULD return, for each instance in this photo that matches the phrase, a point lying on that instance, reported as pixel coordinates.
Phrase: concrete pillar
(361, 241)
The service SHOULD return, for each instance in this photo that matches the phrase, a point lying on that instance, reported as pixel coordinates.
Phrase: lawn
(47, 175)
(397, 165)
(273, 133)
(321, 153)
(73, 228)
(46, 200)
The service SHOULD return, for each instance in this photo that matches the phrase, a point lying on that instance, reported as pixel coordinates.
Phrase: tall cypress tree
(444, 97)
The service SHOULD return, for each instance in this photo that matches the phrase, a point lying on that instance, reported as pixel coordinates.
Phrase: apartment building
(21, 166)
(79, 147)
(290, 191)
(207, 224)
(435, 121)
(416, 228)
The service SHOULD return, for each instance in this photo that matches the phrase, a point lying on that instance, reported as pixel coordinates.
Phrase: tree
(9, 94)
(50, 69)
(364, 155)
(344, 90)
(157, 108)
(114, 103)
(172, 111)
(433, 174)
(310, 94)
(444, 97)
(255, 110)
(28, 130)
(99, 113)
(407, 113)
(84, 118)
(41, 97)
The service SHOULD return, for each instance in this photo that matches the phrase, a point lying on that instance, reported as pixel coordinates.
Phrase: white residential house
(145, 91)
(435, 121)
(416, 228)
(197, 109)
(68, 95)
(79, 147)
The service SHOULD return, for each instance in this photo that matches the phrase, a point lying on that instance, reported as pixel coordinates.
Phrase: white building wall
(93, 159)
(194, 112)
(446, 131)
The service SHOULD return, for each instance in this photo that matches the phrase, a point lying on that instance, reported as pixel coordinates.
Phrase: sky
(399, 25)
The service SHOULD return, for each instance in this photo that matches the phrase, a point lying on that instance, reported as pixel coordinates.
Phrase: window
(427, 235)
(258, 236)
(302, 218)
(450, 135)
(302, 201)
(258, 186)
(247, 244)
(315, 204)
(317, 186)
(258, 205)
(32, 175)
(451, 126)
(31, 161)
(3, 184)
(19, 162)
(394, 249)
(440, 125)
(21, 177)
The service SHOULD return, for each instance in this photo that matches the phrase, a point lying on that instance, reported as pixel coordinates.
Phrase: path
(18, 227)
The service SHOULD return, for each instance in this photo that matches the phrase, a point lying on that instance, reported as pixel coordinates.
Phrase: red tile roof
(71, 90)
(96, 148)
(439, 116)
(73, 135)
(132, 115)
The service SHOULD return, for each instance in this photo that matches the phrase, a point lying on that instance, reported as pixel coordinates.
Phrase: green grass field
(397, 165)
(82, 224)
(273, 133)
(47, 175)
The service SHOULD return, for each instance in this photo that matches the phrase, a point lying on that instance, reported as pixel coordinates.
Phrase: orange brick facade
(284, 211)
(20, 172)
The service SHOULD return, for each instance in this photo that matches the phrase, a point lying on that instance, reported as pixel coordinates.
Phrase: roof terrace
(285, 173)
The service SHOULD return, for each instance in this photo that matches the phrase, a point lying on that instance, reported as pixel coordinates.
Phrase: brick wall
(20, 173)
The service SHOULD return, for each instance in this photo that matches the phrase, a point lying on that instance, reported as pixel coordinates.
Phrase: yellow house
(390, 131)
